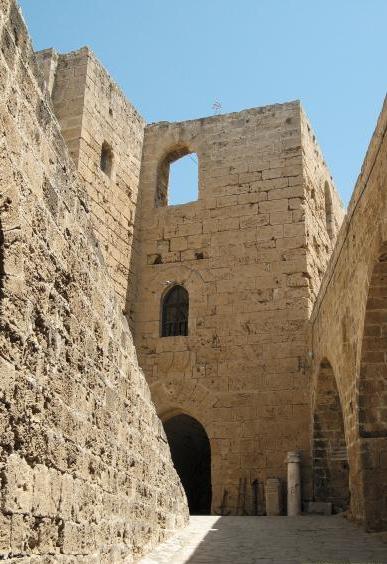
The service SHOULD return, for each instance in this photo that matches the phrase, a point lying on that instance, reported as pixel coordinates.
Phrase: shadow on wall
(373, 398)
(330, 458)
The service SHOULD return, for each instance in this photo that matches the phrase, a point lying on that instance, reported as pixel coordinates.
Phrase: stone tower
(104, 133)
(250, 253)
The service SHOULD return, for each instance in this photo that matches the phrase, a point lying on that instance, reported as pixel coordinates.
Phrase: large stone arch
(372, 397)
(330, 457)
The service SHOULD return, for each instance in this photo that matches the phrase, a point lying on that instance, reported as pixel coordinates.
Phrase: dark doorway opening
(191, 455)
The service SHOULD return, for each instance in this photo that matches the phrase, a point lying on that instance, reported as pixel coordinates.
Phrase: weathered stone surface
(273, 360)
(92, 111)
(86, 474)
(348, 340)
(241, 371)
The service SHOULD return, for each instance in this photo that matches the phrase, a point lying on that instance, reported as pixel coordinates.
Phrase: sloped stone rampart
(85, 469)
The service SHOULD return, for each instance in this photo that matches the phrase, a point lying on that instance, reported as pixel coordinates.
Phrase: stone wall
(86, 474)
(349, 333)
(242, 251)
(287, 313)
(324, 211)
(94, 114)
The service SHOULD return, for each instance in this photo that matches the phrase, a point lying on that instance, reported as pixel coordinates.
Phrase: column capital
(293, 456)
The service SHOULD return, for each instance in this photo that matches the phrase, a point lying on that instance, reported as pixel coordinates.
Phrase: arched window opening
(175, 307)
(191, 455)
(372, 393)
(106, 162)
(177, 181)
(330, 458)
(329, 219)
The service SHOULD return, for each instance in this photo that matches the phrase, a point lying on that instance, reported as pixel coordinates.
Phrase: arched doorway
(191, 455)
(330, 458)
(372, 391)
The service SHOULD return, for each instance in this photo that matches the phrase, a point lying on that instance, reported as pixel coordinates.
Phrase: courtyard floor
(270, 540)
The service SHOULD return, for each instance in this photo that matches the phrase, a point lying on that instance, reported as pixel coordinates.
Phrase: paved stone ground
(270, 540)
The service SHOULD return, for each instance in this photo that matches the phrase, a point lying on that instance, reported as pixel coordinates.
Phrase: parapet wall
(86, 474)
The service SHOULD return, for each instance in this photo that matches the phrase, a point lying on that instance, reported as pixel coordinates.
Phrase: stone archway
(373, 398)
(330, 458)
(191, 455)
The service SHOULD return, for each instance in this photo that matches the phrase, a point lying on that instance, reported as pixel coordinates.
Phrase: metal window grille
(175, 313)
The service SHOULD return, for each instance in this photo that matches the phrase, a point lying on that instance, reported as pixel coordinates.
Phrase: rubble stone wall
(85, 469)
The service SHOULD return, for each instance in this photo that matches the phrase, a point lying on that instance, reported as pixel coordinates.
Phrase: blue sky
(174, 58)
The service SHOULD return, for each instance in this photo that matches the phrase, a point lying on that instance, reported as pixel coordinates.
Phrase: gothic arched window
(174, 320)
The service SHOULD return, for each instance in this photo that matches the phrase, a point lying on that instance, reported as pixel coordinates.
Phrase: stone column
(294, 483)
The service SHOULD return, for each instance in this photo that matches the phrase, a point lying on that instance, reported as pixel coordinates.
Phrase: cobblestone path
(270, 540)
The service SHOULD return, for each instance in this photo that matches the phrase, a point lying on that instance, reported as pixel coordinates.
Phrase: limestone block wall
(324, 211)
(241, 250)
(86, 474)
(349, 324)
(95, 115)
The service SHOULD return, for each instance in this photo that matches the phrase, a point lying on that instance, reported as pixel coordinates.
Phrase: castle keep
(250, 253)
(257, 314)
